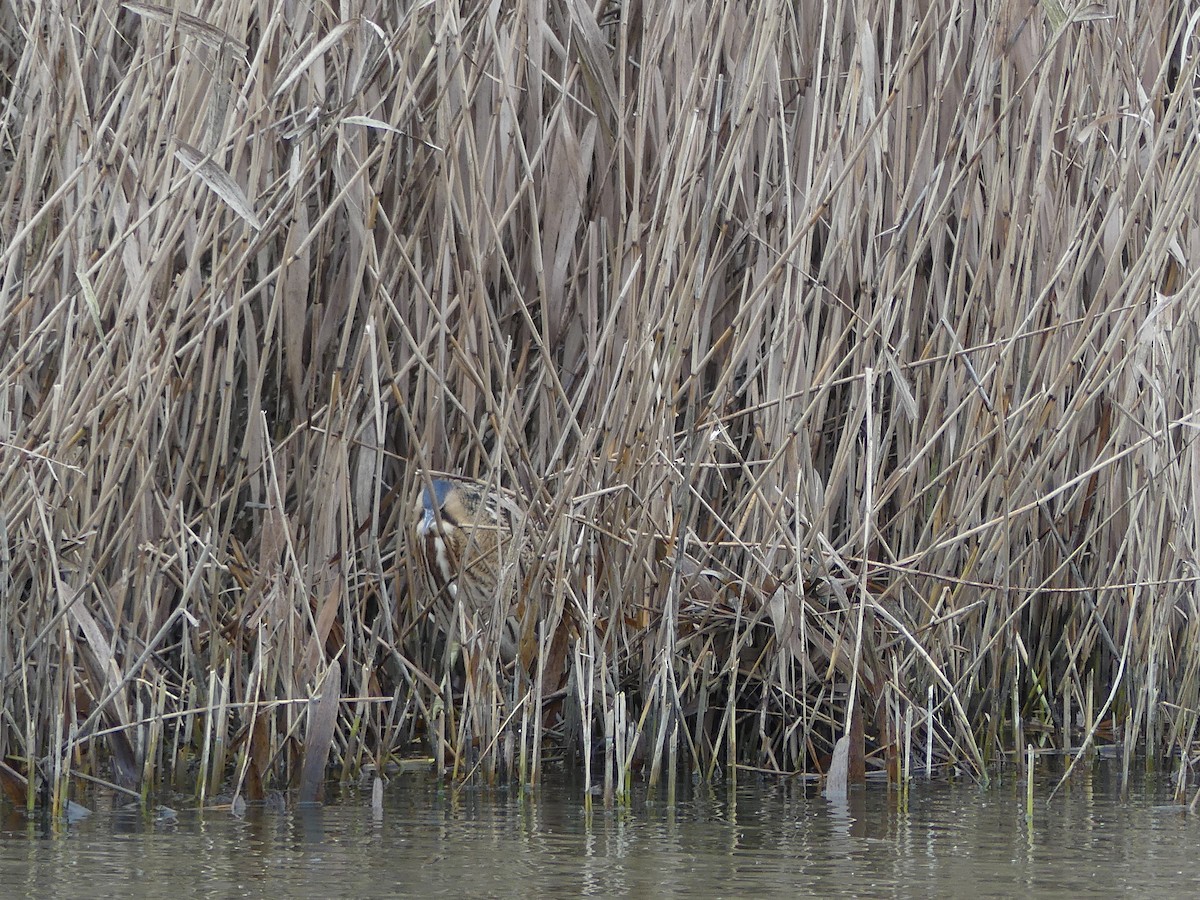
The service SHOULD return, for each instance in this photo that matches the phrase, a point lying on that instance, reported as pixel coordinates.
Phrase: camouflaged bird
(475, 550)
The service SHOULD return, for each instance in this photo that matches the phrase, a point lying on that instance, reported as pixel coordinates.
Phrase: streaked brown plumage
(474, 548)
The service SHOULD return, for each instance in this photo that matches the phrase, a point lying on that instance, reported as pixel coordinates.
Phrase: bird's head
(433, 500)
(448, 505)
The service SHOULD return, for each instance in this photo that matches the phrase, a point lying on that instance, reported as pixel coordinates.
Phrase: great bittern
(474, 546)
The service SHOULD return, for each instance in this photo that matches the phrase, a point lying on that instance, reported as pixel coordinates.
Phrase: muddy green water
(766, 839)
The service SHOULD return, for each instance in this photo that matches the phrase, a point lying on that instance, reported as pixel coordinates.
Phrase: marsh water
(762, 839)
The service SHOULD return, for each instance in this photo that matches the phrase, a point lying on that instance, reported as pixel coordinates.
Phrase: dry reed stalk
(260, 264)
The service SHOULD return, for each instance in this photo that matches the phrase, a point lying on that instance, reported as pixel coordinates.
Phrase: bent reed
(844, 356)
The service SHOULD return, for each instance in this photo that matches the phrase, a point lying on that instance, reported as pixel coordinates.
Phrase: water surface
(766, 839)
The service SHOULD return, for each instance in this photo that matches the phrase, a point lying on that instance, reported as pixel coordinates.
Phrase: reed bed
(843, 354)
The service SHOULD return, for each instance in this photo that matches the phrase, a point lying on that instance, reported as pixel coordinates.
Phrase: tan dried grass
(690, 278)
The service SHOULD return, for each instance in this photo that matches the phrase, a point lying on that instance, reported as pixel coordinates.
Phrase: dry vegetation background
(844, 353)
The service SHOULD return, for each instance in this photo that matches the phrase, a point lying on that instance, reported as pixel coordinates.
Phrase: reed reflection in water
(766, 840)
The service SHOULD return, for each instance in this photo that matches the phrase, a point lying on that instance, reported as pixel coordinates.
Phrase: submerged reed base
(839, 359)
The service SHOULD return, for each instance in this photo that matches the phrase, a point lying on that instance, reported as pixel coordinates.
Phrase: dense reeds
(844, 356)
